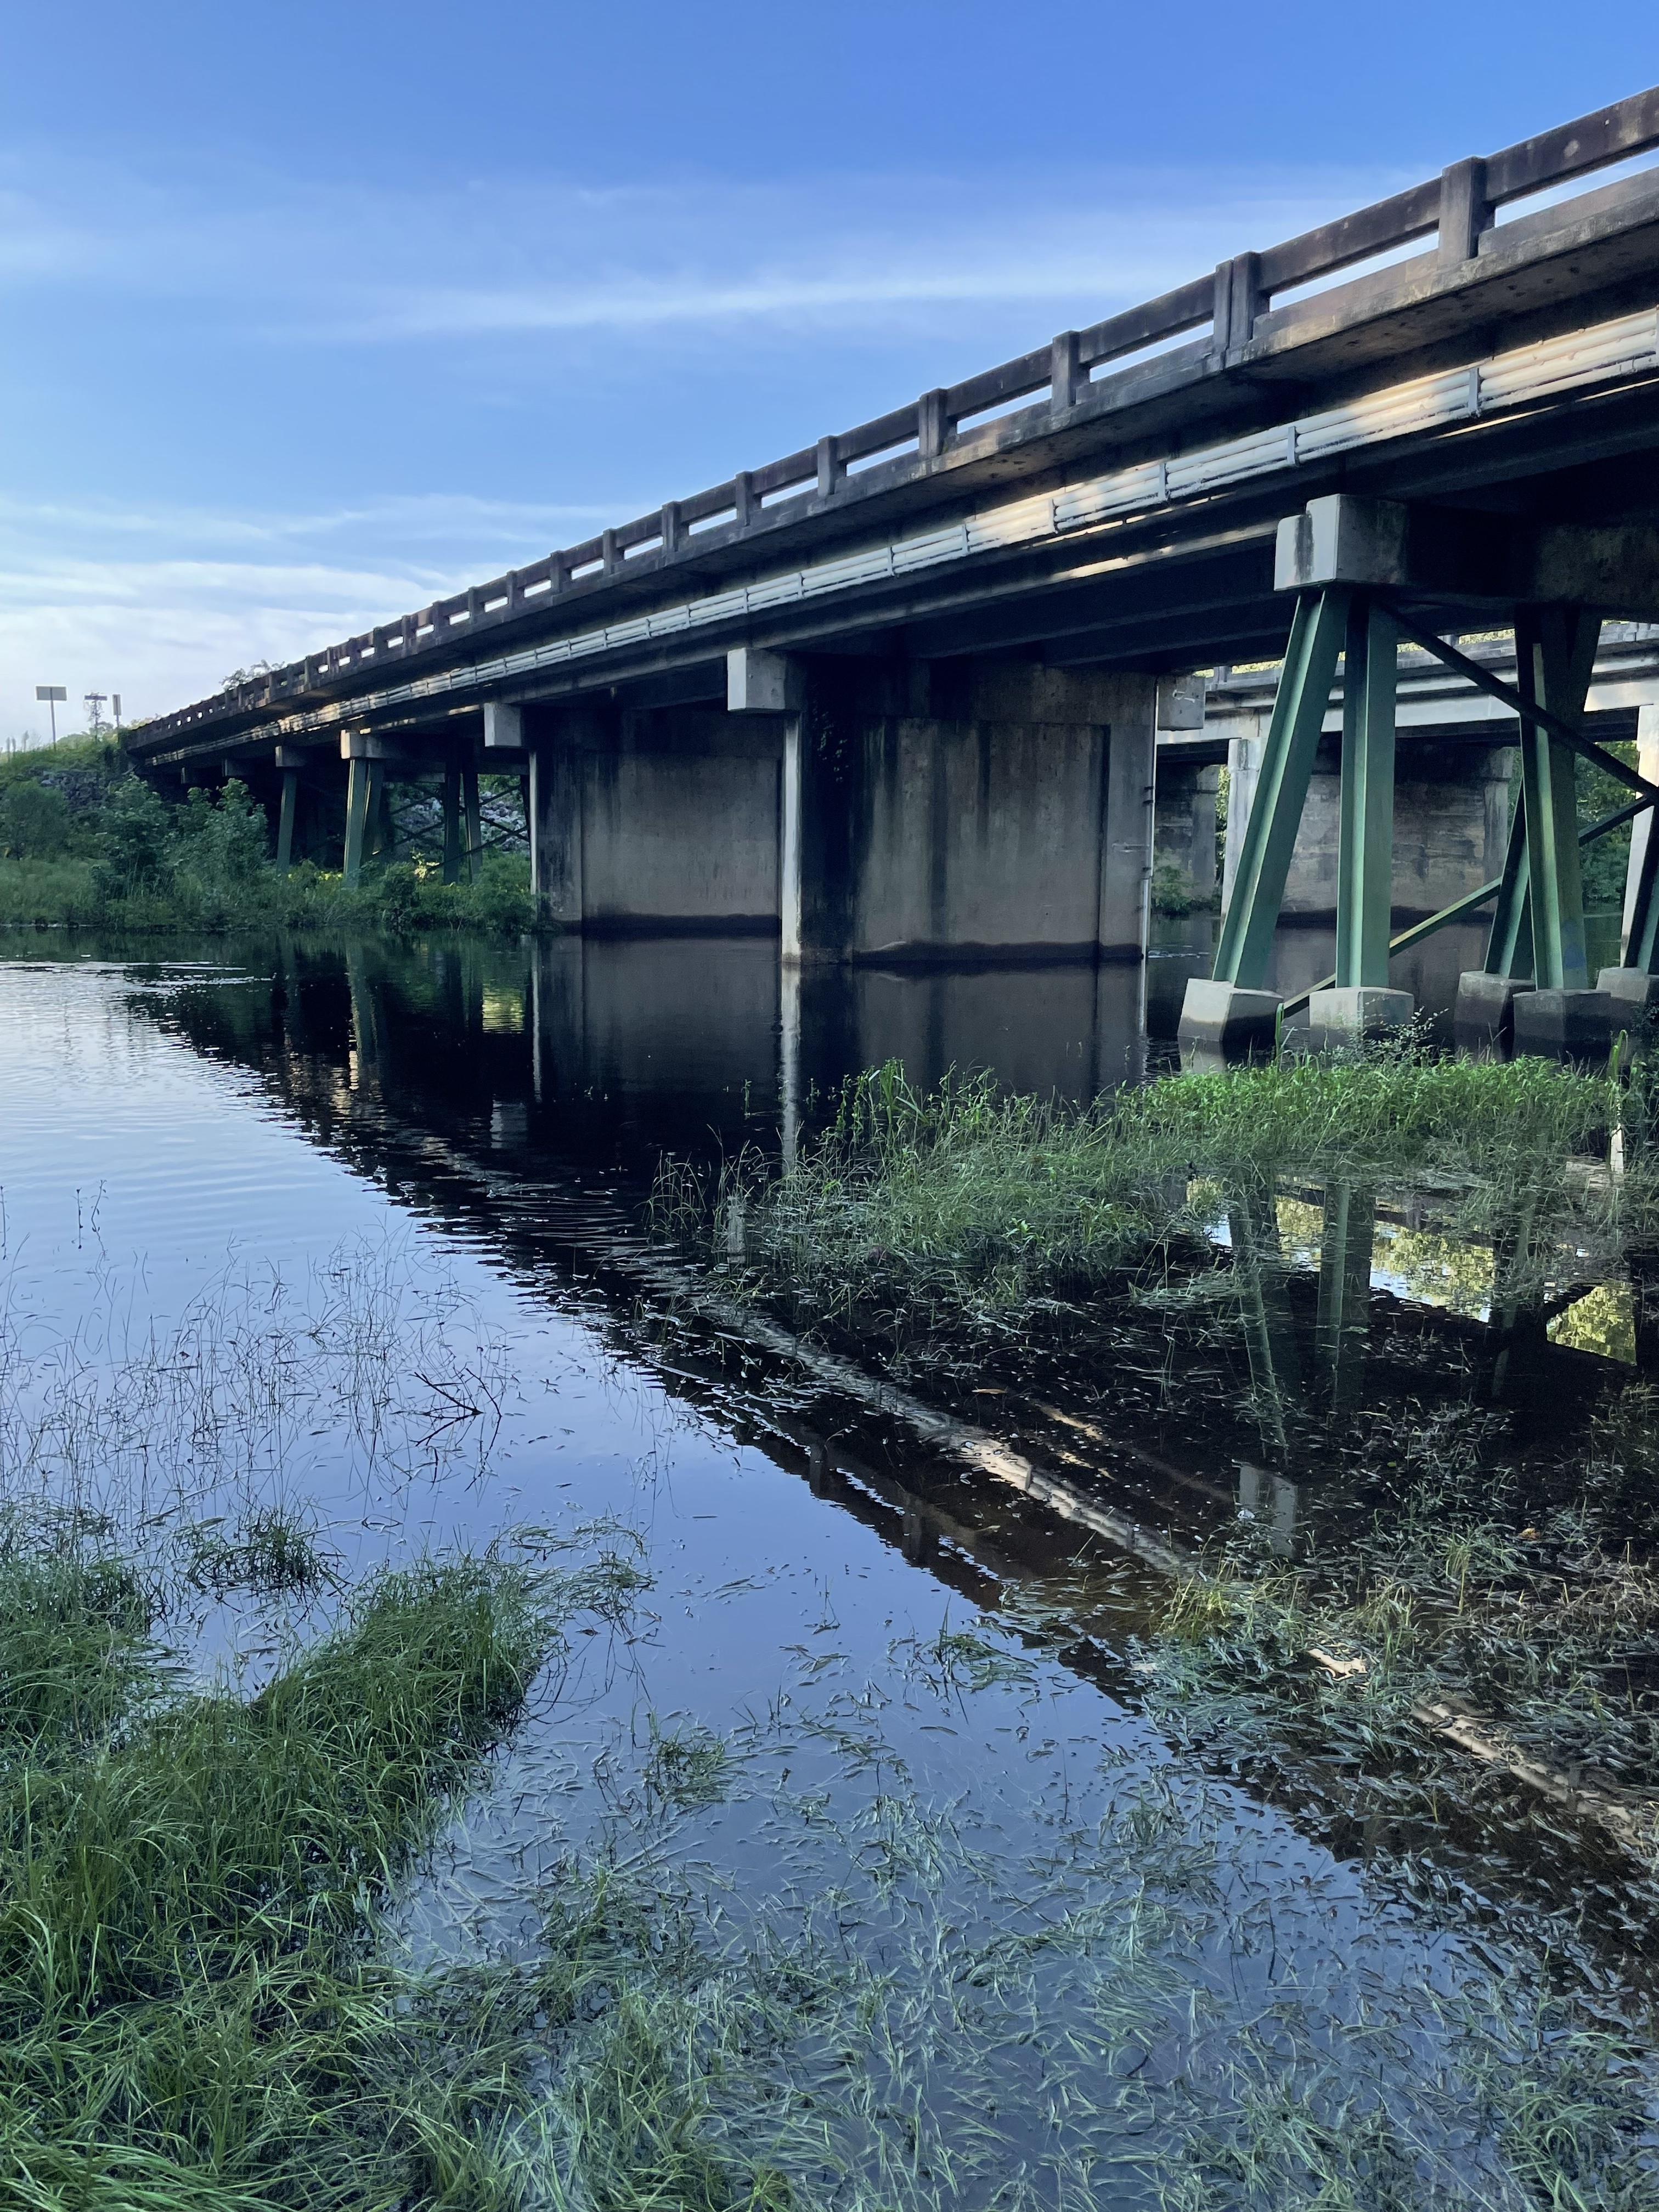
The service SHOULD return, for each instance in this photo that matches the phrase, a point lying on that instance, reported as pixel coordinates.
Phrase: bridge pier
(966, 811)
(867, 813)
(657, 821)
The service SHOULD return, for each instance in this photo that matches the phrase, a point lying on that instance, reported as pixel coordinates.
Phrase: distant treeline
(85, 842)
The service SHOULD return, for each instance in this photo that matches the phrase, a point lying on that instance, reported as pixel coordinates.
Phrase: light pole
(51, 693)
(94, 700)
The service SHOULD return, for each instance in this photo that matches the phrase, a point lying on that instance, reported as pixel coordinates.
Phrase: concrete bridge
(895, 696)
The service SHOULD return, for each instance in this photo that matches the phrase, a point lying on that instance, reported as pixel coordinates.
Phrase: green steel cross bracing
(1364, 870)
(1509, 941)
(1287, 761)
(1642, 940)
(1555, 653)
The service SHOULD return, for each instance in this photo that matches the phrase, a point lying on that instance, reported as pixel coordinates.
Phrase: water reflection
(537, 1090)
(519, 1101)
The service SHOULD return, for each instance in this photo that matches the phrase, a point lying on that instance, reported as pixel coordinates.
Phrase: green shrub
(34, 822)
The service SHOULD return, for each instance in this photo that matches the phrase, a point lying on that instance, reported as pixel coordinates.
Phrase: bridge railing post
(1465, 212)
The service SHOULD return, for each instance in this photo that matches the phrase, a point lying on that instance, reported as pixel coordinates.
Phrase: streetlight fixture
(51, 694)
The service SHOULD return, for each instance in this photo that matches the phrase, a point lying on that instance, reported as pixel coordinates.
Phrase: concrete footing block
(1483, 1019)
(1566, 1024)
(1351, 1013)
(1221, 1020)
(1634, 993)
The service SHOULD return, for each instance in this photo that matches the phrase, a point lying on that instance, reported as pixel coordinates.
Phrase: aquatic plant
(934, 1209)
(192, 2008)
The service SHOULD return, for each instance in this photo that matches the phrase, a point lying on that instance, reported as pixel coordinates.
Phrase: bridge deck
(1109, 499)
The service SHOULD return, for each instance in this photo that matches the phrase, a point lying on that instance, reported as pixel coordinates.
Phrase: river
(373, 1214)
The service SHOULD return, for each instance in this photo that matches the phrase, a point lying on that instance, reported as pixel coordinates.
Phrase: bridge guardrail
(1459, 207)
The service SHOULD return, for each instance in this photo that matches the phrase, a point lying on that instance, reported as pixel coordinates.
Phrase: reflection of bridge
(487, 1086)
(894, 694)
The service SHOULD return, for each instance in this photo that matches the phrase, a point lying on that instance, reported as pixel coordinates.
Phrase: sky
(314, 311)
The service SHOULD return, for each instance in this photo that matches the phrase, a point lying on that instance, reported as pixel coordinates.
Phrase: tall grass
(966, 1201)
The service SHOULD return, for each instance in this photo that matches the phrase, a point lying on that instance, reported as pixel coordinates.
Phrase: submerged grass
(192, 2007)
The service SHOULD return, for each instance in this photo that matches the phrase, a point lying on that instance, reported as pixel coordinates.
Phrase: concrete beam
(503, 725)
(1456, 555)
(759, 683)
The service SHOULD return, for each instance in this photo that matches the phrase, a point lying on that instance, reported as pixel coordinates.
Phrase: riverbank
(895, 1840)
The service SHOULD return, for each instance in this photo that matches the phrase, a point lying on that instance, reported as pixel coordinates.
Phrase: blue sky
(314, 310)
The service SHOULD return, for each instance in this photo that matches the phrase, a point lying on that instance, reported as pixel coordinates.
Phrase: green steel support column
(285, 820)
(1364, 866)
(1344, 1288)
(357, 798)
(1554, 652)
(474, 825)
(451, 822)
(1645, 912)
(1287, 759)
(1509, 941)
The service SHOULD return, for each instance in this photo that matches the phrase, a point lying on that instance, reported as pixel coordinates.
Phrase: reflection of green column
(358, 793)
(1269, 1324)
(1345, 1284)
(451, 822)
(285, 820)
(1517, 1316)
(367, 1023)
(474, 824)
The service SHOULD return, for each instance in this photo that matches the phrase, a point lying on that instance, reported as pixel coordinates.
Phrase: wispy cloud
(511, 255)
(467, 329)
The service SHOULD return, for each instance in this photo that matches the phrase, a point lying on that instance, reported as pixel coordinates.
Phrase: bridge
(895, 696)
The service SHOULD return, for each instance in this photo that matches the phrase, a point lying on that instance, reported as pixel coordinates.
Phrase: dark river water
(358, 1229)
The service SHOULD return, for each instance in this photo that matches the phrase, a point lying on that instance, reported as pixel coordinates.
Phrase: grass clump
(194, 2008)
(966, 1201)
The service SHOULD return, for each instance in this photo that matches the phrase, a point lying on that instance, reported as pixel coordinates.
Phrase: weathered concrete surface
(1450, 822)
(979, 810)
(657, 821)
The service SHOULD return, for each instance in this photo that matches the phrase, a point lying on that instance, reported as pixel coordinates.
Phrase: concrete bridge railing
(1260, 301)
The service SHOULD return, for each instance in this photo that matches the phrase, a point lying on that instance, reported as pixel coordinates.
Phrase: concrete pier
(980, 810)
(898, 814)
(654, 821)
